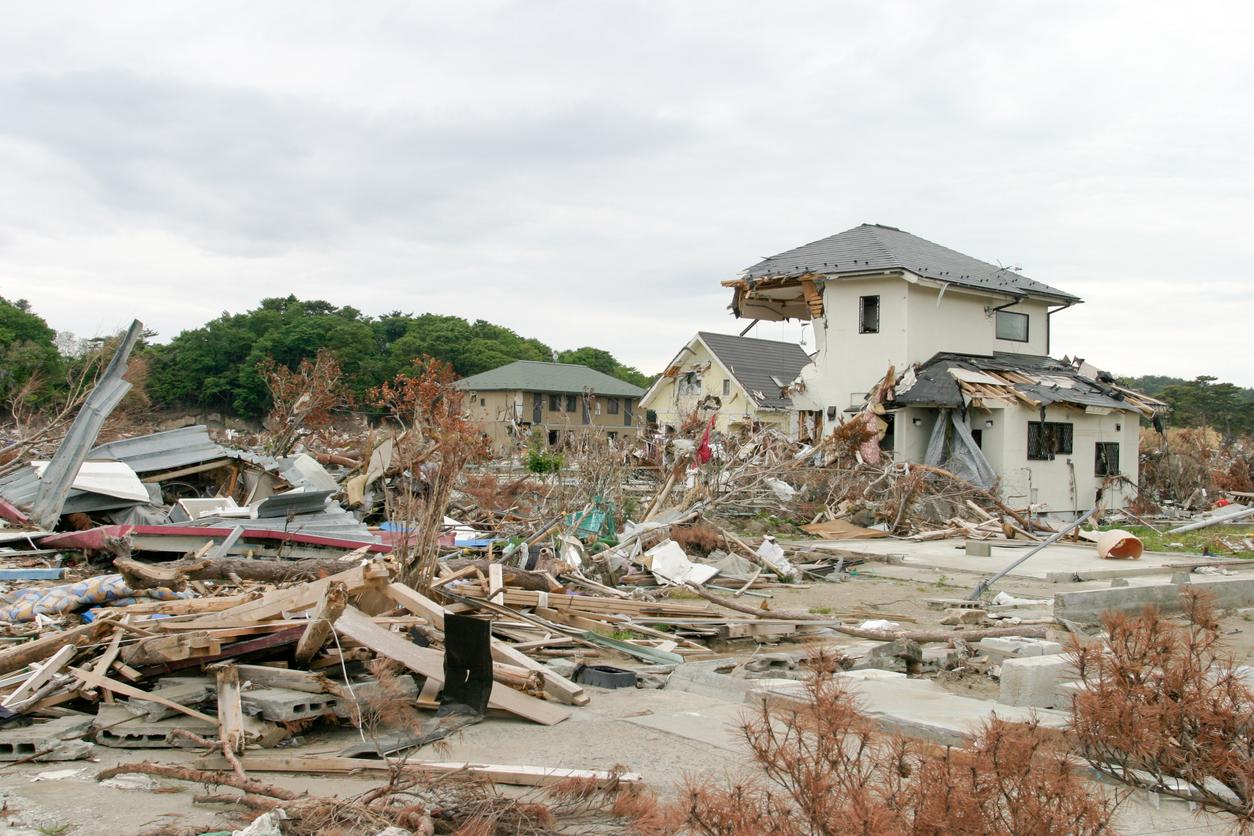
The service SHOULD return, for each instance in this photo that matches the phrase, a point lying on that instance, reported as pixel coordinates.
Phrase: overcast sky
(588, 172)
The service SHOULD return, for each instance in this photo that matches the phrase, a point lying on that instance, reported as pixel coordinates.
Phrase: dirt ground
(665, 735)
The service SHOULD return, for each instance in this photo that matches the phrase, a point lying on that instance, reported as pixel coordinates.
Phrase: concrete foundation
(117, 728)
(1034, 681)
(916, 708)
(1087, 606)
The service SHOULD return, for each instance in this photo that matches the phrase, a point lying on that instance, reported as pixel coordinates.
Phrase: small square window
(1012, 326)
(1106, 461)
(869, 315)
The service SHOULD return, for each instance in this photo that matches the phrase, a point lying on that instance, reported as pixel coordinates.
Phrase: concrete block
(187, 691)
(1033, 681)
(55, 740)
(979, 548)
(117, 728)
(281, 705)
(1001, 648)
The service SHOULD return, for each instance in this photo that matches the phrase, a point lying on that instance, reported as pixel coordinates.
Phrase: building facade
(556, 400)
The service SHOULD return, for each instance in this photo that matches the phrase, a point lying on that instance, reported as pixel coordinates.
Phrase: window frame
(1102, 459)
(863, 326)
(572, 403)
(1053, 438)
(611, 406)
(1009, 316)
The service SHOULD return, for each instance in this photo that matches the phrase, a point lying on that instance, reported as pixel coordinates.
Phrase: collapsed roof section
(1005, 379)
(783, 286)
(764, 368)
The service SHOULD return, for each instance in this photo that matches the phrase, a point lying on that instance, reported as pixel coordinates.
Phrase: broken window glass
(1047, 439)
(1107, 459)
(869, 315)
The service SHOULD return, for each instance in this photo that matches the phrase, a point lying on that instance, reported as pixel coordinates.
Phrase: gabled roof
(760, 366)
(534, 376)
(1035, 381)
(873, 247)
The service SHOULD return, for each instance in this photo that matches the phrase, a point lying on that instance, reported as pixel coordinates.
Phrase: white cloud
(589, 173)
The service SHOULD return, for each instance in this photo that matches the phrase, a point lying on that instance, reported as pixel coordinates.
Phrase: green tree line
(215, 366)
(1202, 401)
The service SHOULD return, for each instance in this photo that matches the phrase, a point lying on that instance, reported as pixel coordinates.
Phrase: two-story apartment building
(968, 343)
(513, 401)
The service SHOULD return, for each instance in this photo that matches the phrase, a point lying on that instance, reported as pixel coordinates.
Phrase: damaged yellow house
(745, 381)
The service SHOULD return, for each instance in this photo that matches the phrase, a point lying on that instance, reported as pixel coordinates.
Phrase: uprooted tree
(437, 442)
(1165, 708)
(821, 768)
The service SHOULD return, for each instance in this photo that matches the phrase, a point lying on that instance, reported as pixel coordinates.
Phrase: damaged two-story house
(968, 344)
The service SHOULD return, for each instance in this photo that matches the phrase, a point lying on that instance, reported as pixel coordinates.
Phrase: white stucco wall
(957, 322)
(1049, 484)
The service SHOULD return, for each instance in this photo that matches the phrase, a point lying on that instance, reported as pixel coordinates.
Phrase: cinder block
(117, 728)
(1002, 648)
(281, 705)
(55, 740)
(187, 691)
(1034, 681)
(979, 548)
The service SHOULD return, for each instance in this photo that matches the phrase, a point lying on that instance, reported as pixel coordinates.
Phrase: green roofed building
(558, 398)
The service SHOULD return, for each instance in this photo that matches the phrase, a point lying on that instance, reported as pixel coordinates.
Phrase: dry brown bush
(302, 399)
(1165, 708)
(824, 769)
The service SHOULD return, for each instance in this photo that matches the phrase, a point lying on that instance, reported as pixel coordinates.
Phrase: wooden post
(320, 623)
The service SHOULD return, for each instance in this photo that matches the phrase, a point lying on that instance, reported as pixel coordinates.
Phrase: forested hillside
(1203, 401)
(216, 365)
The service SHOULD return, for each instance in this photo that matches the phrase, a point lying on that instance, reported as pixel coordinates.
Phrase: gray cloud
(588, 173)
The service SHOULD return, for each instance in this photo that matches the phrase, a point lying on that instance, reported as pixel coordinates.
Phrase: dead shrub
(823, 769)
(1165, 708)
(698, 538)
(302, 398)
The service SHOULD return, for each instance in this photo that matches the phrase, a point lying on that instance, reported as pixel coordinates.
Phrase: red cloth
(704, 453)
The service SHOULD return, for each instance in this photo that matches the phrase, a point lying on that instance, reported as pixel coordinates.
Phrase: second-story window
(611, 406)
(555, 403)
(869, 315)
(726, 387)
(1012, 326)
(572, 401)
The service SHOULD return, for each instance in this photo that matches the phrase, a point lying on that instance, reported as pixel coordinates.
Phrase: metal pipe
(984, 585)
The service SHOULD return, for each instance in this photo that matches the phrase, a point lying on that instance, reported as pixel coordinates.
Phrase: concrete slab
(1057, 563)
(717, 724)
(916, 708)
(118, 728)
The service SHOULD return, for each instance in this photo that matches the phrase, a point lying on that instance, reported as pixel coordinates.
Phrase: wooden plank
(230, 710)
(42, 674)
(333, 602)
(496, 583)
(299, 597)
(16, 658)
(106, 659)
(430, 663)
(523, 776)
(94, 680)
(293, 680)
(555, 685)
